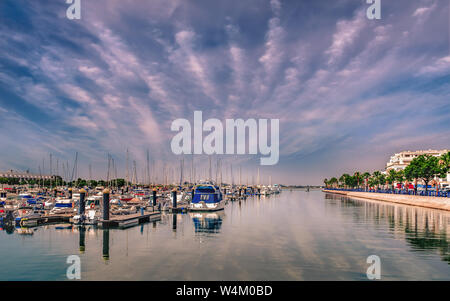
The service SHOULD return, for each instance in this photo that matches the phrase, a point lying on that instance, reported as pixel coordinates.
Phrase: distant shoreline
(413, 200)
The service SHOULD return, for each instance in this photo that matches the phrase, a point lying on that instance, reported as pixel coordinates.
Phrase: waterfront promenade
(413, 200)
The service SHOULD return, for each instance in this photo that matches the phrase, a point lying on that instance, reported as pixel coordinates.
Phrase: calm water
(296, 235)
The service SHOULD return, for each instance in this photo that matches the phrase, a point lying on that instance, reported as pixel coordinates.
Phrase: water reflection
(291, 236)
(82, 232)
(423, 229)
(106, 244)
(207, 222)
(174, 223)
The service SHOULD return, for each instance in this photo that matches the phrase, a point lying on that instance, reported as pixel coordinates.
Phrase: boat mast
(148, 168)
(181, 171)
(258, 178)
(210, 171)
(240, 171)
(74, 170)
(192, 168)
(107, 173)
(51, 172)
(232, 178)
(90, 175)
(40, 180)
(135, 172)
(57, 170)
(126, 173)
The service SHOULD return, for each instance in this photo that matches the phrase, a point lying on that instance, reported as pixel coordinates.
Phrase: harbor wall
(413, 200)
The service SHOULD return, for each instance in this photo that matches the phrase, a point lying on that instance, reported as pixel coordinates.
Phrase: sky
(349, 92)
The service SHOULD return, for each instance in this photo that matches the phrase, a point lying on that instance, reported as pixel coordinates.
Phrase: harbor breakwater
(413, 200)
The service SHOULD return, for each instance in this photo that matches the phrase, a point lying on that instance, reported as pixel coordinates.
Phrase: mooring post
(154, 197)
(70, 193)
(193, 193)
(174, 198)
(82, 206)
(105, 215)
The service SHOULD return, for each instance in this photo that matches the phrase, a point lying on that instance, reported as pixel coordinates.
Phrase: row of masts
(220, 173)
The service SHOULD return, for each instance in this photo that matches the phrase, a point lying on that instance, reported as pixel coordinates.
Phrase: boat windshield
(205, 189)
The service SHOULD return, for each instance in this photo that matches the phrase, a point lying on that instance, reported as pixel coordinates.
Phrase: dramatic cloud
(348, 91)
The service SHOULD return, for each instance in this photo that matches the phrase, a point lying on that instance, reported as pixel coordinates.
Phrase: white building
(400, 160)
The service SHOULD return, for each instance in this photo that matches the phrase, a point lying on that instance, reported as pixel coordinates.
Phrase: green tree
(120, 182)
(333, 181)
(444, 162)
(391, 177)
(366, 177)
(382, 179)
(376, 175)
(81, 183)
(400, 176)
(358, 178)
(424, 167)
(373, 181)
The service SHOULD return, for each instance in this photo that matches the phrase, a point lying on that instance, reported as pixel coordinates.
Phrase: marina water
(295, 235)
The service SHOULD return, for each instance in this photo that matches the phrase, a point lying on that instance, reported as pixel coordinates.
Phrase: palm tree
(357, 176)
(347, 181)
(391, 177)
(326, 182)
(333, 181)
(377, 176)
(444, 161)
(366, 177)
(342, 180)
(400, 176)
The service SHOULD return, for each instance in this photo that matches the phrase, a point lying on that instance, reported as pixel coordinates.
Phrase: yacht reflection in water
(207, 222)
(425, 230)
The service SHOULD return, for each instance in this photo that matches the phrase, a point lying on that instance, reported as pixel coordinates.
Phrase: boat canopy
(205, 189)
(63, 205)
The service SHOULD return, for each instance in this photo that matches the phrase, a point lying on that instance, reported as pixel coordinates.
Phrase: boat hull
(205, 208)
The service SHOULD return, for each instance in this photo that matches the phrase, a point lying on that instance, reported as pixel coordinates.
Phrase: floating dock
(129, 220)
(45, 219)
